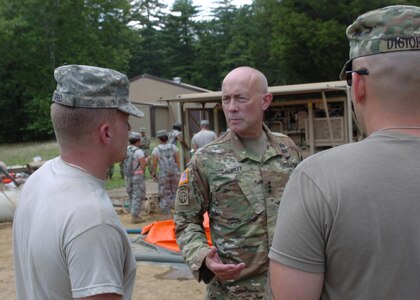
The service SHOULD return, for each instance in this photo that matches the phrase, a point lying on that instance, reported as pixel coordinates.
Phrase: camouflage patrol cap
(177, 126)
(93, 87)
(161, 133)
(142, 129)
(388, 29)
(134, 135)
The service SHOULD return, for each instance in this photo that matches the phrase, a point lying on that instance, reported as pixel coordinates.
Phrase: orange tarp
(162, 233)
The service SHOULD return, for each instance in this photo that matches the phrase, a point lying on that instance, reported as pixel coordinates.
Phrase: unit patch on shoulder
(183, 196)
(184, 177)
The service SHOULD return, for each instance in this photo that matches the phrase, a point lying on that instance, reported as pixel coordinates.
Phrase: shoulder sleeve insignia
(183, 196)
(184, 177)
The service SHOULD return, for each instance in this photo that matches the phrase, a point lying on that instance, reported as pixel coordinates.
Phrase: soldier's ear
(266, 100)
(105, 134)
(359, 88)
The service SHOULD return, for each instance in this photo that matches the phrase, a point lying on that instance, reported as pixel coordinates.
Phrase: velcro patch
(183, 196)
(184, 177)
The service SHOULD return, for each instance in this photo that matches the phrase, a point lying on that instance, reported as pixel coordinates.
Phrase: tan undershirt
(256, 145)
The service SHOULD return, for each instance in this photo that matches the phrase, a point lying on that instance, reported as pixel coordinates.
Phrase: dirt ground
(152, 280)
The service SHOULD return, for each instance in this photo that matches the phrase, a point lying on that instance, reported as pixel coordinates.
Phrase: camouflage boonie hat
(389, 29)
(93, 87)
(161, 133)
(142, 129)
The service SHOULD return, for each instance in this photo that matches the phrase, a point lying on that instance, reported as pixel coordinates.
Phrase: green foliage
(36, 37)
(179, 35)
(40, 125)
(291, 41)
(304, 40)
(238, 39)
(148, 49)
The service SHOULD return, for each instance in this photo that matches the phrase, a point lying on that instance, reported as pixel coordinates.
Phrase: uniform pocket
(229, 207)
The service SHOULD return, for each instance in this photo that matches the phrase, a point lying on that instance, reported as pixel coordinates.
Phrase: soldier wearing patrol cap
(175, 135)
(348, 219)
(238, 180)
(134, 167)
(166, 159)
(68, 240)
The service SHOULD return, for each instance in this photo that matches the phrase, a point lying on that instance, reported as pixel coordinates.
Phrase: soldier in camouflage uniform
(238, 180)
(166, 156)
(145, 146)
(175, 136)
(134, 166)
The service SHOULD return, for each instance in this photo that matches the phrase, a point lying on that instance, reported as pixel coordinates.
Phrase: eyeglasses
(349, 77)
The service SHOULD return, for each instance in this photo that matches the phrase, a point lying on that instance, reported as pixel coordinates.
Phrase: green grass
(116, 181)
(23, 153)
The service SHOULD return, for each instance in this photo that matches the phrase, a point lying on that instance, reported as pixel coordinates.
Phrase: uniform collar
(273, 148)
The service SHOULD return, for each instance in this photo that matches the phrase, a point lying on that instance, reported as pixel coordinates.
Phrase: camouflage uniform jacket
(241, 194)
(144, 145)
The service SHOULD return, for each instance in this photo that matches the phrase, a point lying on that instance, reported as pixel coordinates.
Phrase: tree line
(291, 41)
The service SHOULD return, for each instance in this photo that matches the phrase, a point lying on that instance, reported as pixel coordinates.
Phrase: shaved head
(249, 76)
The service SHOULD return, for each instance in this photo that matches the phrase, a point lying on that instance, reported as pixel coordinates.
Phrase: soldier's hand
(221, 270)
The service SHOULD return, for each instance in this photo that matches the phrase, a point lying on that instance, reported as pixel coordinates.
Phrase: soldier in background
(110, 172)
(204, 136)
(145, 146)
(238, 180)
(166, 157)
(134, 166)
(175, 135)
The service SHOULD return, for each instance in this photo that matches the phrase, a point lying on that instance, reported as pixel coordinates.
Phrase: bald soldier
(238, 180)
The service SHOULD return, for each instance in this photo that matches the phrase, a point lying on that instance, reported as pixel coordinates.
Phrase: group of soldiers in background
(163, 164)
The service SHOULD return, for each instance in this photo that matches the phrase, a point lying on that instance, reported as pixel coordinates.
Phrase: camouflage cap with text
(93, 87)
(388, 29)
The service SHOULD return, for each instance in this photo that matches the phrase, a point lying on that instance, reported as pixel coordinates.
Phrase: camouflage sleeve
(190, 205)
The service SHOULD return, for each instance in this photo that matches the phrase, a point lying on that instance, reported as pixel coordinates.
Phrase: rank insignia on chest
(184, 177)
(183, 196)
